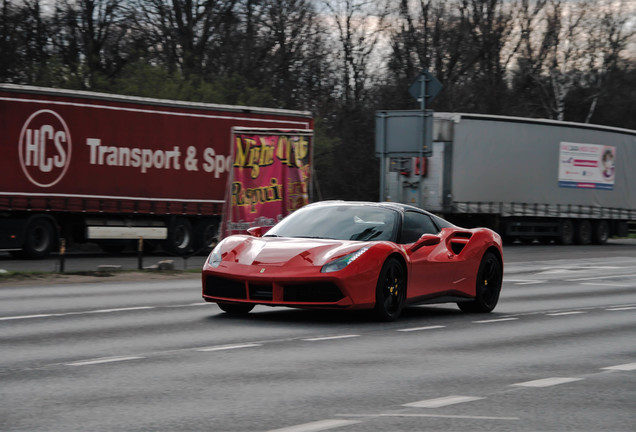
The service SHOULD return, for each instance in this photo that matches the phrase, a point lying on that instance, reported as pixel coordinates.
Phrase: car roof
(386, 204)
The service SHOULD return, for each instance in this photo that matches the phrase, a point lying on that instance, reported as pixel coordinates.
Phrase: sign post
(407, 133)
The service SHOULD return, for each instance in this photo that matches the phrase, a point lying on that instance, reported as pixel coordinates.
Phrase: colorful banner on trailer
(587, 166)
(270, 177)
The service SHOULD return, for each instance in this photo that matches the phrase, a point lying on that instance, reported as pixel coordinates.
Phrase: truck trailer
(82, 166)
(528, 179)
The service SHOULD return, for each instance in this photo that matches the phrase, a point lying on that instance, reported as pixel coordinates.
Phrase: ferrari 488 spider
(353, 255)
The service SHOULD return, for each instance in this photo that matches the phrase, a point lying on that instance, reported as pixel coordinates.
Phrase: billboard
(269, 178)
(586, 166)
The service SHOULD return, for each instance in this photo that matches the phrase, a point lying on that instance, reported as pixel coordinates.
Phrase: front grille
(312, 293)
(260, 292)
(220, 287)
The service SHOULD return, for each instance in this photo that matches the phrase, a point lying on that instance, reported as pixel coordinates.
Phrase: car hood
(284, 251)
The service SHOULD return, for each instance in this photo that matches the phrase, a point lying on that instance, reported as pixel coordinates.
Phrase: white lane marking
(442, 402)
(421, 328)
(523, 281)
(615, 309)
(26, 317)
(120, 309)
(599, 284)
(228, 347)
(623, 367)
(331, 338)
(103, 360)
(600, 277)
(450, 416)
(97, 311)
(566, 313)
(494, 320)
(547, 382)
(317, 426)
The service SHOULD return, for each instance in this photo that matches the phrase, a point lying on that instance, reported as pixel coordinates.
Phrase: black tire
(205, 236)
(583, 235)
(600, 232)
(180, 236)
(566, 232)
(236, 308)
(390, 291)
(489, 279)
(39, 239)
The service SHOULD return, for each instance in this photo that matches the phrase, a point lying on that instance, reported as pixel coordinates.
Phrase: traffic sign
(425, 88)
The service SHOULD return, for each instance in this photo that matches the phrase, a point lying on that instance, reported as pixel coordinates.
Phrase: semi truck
(528, 179)
(80, 166)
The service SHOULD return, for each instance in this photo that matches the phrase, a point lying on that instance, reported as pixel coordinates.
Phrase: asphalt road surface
(558, 353)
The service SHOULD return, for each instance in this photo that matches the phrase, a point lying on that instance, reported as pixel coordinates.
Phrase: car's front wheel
(489, 279)
(236, 308)
(390, 290)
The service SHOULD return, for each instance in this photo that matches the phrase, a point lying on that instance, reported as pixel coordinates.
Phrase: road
(558, 353)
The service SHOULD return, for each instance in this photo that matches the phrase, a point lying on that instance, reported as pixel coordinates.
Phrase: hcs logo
(45, 148)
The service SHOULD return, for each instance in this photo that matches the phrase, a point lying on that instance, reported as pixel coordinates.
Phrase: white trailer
(526, 178)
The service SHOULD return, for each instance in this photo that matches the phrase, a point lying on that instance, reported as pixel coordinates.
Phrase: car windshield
(340, 222)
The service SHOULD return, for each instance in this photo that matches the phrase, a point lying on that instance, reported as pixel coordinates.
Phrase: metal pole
(382, 118)
(140, 253)
(422, 138)
(62, 254)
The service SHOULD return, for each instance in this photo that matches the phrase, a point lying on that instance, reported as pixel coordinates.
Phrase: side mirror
(425, 240)
(256, 231)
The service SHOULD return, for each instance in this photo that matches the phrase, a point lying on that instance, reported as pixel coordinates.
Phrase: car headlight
(340, 263)
(214, 260)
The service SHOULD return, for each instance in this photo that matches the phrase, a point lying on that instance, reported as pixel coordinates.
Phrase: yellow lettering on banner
(296, 195)
(251, 197)
(292, 151)
(283, 150)
(242, 151)
(253, 155)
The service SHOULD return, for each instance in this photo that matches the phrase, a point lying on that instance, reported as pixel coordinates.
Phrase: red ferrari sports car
(356, 255)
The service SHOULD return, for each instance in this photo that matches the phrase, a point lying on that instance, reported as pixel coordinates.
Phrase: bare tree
(91, 39)
(359, 26)
(607, 37)
(187, 33)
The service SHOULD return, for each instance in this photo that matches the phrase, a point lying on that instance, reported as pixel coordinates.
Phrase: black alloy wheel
(390, 290)
(489, 279)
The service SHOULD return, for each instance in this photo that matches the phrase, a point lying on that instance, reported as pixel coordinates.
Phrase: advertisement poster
(587, 166)
(269, 179)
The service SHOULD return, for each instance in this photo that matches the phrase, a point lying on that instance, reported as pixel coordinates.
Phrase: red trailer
(98, 167)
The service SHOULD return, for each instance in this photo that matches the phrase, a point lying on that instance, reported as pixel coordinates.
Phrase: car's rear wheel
(489, 279)
(236, 308)
(390, 290)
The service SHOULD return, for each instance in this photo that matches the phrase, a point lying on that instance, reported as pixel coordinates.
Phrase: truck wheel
(566, 232)
(600, 233)
(205, 236)
(583, 233)
(39, 239)
(180, 236)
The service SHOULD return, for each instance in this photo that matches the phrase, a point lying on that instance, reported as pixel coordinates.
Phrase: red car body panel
(287, 271)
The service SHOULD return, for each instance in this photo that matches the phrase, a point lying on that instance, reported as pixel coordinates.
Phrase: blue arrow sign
(425, 88)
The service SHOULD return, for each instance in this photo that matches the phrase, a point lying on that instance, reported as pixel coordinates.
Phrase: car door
(432, 268)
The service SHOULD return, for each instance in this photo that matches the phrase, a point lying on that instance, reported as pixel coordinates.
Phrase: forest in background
(341, 60)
